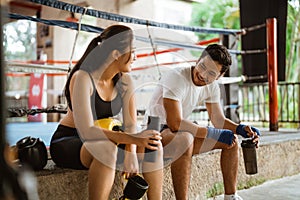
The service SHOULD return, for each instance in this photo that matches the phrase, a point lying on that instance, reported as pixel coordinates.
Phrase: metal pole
(272, 72)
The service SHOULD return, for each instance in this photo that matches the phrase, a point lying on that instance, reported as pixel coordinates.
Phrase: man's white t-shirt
(178, 85)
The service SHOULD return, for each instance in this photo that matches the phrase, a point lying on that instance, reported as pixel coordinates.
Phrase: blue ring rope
(64, 24)
(121, 18)
(93, 29)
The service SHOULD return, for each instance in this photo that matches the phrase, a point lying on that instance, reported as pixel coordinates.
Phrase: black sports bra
(104, 109)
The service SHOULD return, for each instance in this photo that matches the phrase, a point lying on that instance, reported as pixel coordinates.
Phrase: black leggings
(65, 148)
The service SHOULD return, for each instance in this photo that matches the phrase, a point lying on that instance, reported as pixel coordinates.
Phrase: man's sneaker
(232, 197)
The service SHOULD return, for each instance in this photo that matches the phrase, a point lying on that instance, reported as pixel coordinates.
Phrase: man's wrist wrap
(240, 129)
(221, 135)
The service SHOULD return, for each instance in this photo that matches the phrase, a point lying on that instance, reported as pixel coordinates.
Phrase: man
(179, 92)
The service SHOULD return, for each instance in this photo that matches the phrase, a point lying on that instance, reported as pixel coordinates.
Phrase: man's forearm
(224, 123)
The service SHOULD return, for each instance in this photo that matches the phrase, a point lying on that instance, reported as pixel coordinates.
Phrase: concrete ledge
(278, 156)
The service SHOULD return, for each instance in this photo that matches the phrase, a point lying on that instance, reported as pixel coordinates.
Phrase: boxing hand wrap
(221, 135)
(240, 129)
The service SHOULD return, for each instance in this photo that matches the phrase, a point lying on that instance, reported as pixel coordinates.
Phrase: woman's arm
(129, 121)
(81, 89)
(129, 109)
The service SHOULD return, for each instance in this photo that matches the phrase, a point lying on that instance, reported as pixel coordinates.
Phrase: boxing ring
(17, 131)
(44, 130)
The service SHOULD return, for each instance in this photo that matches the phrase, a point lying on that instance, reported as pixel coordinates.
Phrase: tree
(20, 40)
(293, 40)
(216, 14)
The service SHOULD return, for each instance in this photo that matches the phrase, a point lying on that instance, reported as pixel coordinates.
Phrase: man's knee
(210, 144)
(234, 146)
(181, 144)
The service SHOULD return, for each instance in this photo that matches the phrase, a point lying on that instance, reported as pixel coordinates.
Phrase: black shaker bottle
(249, 153)
(135, 188)
(153, 124)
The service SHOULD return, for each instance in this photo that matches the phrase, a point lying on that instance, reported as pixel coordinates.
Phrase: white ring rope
(34, 68)
(154, 53)
(75, 41)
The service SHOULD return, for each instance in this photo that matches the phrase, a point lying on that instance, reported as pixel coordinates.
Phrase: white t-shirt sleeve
(170, 84)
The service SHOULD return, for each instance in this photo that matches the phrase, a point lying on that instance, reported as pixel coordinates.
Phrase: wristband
(221, 135)
(255, 130)
(240, 129)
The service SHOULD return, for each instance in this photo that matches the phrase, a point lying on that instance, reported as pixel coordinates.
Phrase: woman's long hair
(115, 37)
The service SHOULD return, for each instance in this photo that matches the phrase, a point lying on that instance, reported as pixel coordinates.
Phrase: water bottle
(135, 188)
(249, 153)
(153, 124)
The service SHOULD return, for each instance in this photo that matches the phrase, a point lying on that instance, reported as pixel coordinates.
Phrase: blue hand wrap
(240, 129)
(221, 135)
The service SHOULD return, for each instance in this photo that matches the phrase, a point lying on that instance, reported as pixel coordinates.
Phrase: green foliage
(225, 14)
(250, 183)
(292, 40)
(216, 14)
(19, 40)
(216, 189)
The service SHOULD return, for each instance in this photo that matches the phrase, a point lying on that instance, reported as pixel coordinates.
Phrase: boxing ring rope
(154, 52)
(270, 51)
(76, 37)
(121, 18)
(93, 29)
(34, 68)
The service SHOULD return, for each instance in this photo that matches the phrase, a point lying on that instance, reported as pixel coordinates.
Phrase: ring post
(272, 72)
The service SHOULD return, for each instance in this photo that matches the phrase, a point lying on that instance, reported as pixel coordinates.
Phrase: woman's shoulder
(80, 74)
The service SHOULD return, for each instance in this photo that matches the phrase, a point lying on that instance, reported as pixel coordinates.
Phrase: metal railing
(253, 104)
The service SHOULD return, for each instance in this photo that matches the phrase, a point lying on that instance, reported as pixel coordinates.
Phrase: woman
(98, 88)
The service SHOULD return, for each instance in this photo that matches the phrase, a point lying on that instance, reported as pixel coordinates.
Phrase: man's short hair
(218, 53)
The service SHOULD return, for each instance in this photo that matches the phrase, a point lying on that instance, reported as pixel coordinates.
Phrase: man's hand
(248, 131)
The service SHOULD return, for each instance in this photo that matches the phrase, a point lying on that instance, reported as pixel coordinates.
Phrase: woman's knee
(103, 151)
(181, 144)
(85, 157)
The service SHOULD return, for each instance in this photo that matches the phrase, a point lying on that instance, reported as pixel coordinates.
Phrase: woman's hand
(149, 139)
(131, 165)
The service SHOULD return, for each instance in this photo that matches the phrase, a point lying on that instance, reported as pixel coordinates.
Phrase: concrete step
(278, 156)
